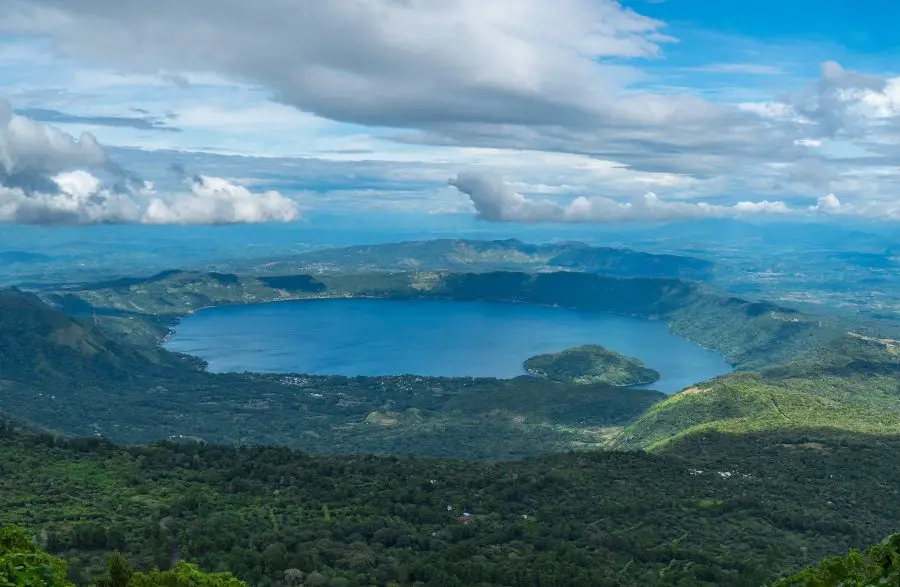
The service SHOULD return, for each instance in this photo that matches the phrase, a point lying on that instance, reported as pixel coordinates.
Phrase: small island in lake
(591, 363)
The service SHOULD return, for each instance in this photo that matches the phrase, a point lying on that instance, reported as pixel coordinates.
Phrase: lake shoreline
(444, 337)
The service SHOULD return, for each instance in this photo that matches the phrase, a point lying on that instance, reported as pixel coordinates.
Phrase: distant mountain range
(23, 257)
(497, 255)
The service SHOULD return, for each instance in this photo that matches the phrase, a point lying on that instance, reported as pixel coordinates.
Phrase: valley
(810, 393)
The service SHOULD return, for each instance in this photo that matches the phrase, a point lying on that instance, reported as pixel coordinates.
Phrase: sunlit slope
(852, 384)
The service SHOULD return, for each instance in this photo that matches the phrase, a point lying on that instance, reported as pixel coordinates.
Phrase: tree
(880, 565)
(185, 575)
(118, 572)
(293, 576)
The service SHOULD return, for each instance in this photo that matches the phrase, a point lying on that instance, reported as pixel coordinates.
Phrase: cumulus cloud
(836, 104)
(31, 152)
(831, 204)
(213, 200)
(79, 198)
(495, 201)
(49, 177)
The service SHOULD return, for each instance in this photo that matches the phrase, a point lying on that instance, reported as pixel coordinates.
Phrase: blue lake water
(426, 337)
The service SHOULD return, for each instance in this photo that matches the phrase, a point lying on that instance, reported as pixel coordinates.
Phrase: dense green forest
(711, 509)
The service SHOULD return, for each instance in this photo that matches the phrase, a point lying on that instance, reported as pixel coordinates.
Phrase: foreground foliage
(710, 510)
(879, 565)
(22, 564)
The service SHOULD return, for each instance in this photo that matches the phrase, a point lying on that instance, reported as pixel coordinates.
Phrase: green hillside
(851, 384)
(40, 344)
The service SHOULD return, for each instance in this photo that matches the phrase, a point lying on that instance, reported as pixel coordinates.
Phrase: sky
(523, 112)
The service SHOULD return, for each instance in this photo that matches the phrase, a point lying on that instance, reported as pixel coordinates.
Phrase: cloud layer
(513, 76)
(518, 74)
(49, 177)
(375, 62)
(495, 201)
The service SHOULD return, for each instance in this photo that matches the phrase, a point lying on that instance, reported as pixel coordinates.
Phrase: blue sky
(587, 111)
(865, 27)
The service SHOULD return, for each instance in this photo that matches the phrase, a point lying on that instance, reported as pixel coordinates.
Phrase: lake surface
(426, 337)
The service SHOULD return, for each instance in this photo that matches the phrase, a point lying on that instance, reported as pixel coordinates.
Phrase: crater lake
(427, 337)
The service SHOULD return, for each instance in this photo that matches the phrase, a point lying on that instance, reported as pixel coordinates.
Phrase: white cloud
(214, 200)
(48, 177)
(80, 199)
(496, 201)
(29, 151)
(829, 203)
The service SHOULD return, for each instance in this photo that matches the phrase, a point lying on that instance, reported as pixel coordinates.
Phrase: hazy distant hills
(10, 257)
(477, 255)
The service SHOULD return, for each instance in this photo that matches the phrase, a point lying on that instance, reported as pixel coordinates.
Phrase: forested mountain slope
(712, 509)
